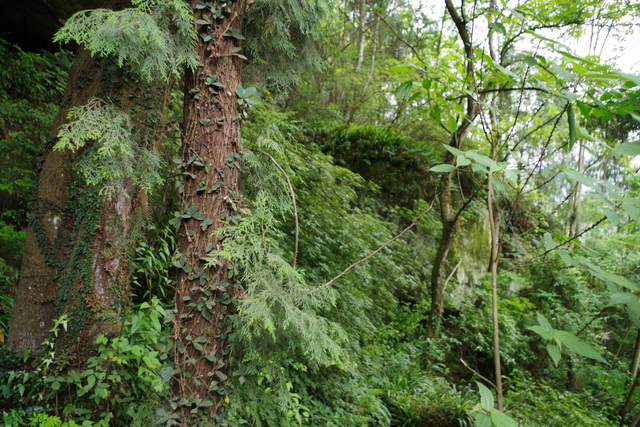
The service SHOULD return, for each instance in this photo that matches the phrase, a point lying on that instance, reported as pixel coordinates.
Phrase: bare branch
(295, 206)
(387, 243)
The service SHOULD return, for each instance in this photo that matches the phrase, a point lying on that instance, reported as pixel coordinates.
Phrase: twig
(446, 282)
(478, 374)
(295, 206)
(387, 243)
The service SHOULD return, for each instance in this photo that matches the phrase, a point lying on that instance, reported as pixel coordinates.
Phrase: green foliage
(536, 403)
(394, 162)
(127, 375)
(281, 36)
(486, 414)
(563, 338)
(151, 267)
(114, 151)
(31, 86)
(155, 37)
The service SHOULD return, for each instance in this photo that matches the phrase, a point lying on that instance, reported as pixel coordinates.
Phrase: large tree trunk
(78, 245)
(36, 296)
(211, 199)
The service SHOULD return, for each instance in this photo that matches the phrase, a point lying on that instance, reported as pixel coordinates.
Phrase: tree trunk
(361, 34)
(439, 263)
(449, 218)
(50, 224)
(577, 190)
(78, 245)
(494, 222)
(211, 199)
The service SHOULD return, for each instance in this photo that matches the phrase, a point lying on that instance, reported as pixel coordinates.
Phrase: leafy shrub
(128, 375)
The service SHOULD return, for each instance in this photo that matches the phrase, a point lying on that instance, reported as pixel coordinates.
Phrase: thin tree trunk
(628, 403)
(448, 217)
(494, 224)
(211, 199)
(449, 222)
(577, 190)
(444, 246)
(361, 34)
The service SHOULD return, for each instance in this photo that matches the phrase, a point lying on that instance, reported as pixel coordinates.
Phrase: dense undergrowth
(308, 350)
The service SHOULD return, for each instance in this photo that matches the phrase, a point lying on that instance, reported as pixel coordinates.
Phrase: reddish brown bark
(210, 200)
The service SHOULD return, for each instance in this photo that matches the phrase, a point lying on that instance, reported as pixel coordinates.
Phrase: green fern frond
(277, 300)
(285, 31)
(143, 37)
(111, 148)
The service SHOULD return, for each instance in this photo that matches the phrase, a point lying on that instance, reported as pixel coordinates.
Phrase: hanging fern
(112, 148)
(154, 38)
(286, 32)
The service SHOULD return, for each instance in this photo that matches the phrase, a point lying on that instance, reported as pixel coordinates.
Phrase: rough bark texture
(211, 199)
(78, 246)
(34, 307)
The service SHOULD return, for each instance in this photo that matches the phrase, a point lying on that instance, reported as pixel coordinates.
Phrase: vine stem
(384, 245)
(295, 206)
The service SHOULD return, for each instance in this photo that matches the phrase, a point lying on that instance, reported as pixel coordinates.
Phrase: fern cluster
(112, 148)
(154, 38)
(280, 39)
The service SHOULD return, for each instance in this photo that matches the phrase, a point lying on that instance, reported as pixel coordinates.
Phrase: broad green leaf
(632, 210)
(498, 28)
(506, 71)
(404, 89)
(530, 60)
(401, 68)
(500, 419)
(478, 168)
(566, 257)
(548, 242)
(575, 58)
(544, 322)
(622, 298)
(480, 158)
(543, 332)
(452, 124)
(634, 315)
(495, 168)
(609, 277)
(562, 73)
(462, 161)
(613, 217)
(628, 149)
(584, 108)
(482, 419)
(443, 168)
(426, 83)
(578, 346)
(486, 397)
(554, 352)
(454, 150)
(574, 175)
(541, 37)
(436, 113)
